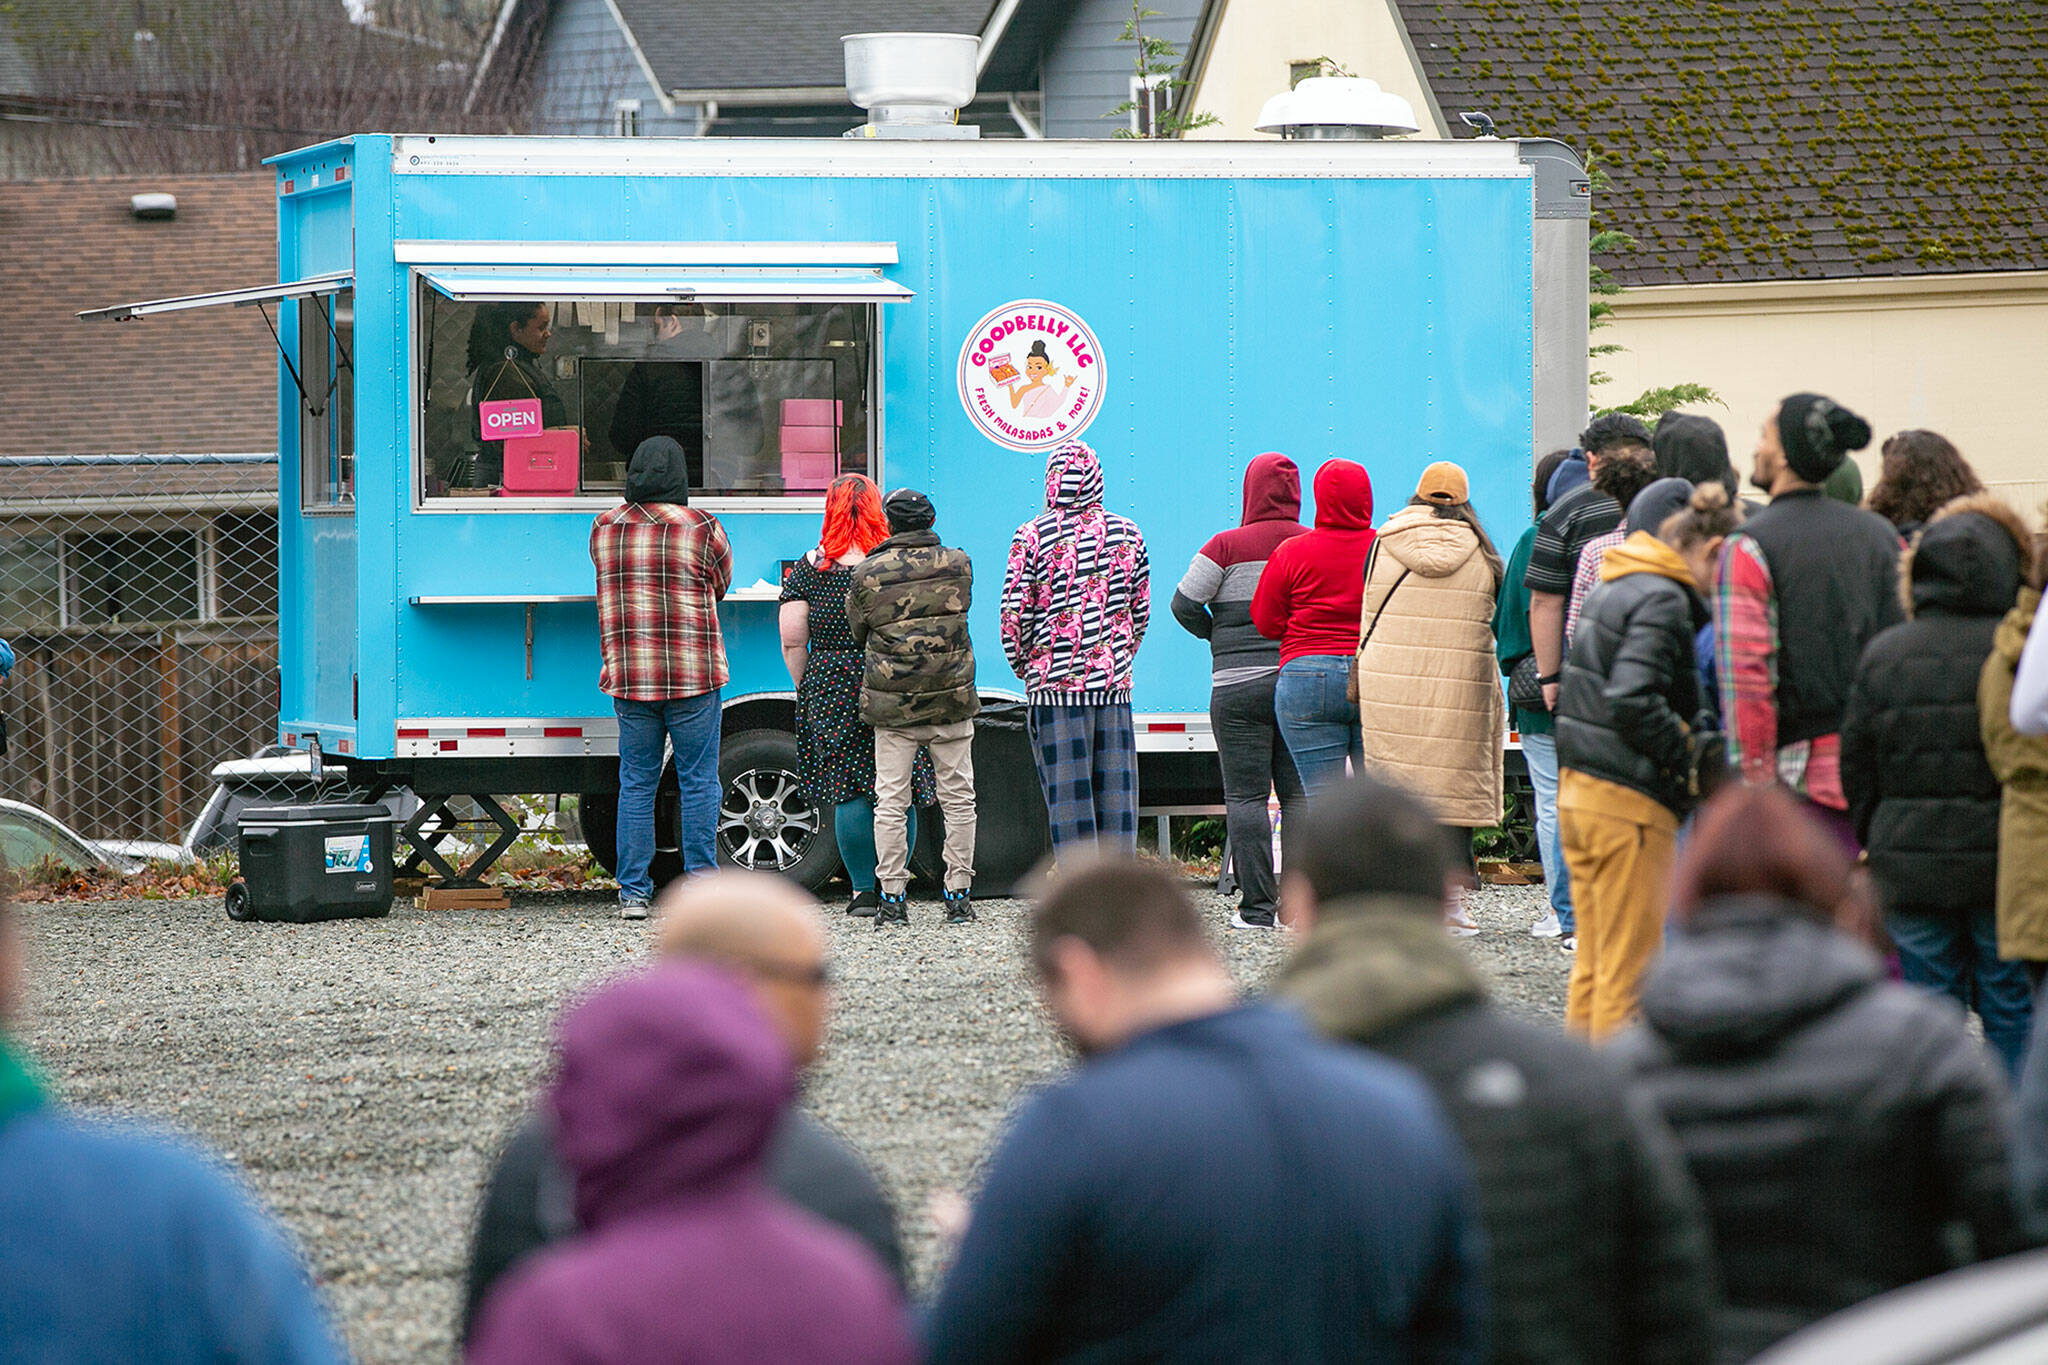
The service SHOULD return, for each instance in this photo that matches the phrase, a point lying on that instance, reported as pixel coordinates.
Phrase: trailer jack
(434, 822)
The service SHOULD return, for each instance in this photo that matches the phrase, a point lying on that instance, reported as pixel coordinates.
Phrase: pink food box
(542, 464)
(811, 412)
(810, 440)
(809, 468)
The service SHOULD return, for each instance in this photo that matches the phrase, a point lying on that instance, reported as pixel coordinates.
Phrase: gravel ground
(362, 1073)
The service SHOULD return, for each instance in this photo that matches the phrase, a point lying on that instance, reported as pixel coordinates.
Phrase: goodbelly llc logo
(1031, 375)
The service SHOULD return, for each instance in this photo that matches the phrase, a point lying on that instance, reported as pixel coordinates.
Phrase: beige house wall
(1246, 61)
(1965, 355)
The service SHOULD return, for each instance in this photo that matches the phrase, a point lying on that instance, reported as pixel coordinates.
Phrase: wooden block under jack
(439, 897)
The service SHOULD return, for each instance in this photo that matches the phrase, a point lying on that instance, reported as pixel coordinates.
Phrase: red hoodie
(1313, 589)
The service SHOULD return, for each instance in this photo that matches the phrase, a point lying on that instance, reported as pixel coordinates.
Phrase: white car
(29, 834)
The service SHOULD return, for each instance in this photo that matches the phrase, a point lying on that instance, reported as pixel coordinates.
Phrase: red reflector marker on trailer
(562, 732)
(447, 744)
(1167, 727)
(412, 734)
(487, 732)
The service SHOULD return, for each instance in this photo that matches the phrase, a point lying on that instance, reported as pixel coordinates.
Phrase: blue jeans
(1541, 753)
(1957, 955)
(691, 725)
(1320, 727)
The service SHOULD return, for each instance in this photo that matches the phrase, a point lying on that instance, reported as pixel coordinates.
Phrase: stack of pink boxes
(810, 442)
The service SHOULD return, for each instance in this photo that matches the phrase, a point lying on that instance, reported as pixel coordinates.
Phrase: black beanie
(908, 510)
(1818, 434)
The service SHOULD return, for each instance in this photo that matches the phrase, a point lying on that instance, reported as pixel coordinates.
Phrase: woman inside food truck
(768, 398)
(506, 341)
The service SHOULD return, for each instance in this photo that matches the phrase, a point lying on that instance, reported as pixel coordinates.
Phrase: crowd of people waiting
(1771, 743)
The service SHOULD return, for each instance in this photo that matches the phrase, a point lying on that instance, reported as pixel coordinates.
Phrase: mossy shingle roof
(1775, 139)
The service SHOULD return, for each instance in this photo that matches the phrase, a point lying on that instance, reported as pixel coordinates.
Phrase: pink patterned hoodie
(1077, 594)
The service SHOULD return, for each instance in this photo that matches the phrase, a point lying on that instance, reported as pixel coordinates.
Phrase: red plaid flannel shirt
(661, 570)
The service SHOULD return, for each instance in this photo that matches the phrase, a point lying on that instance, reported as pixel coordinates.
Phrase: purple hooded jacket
(671, 1084)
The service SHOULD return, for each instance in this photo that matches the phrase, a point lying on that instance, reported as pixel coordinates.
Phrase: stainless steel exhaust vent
(913, 85)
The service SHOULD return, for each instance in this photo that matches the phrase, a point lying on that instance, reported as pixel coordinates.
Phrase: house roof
(39, 490)
(747, 44)
(1775, 139)
(199, 382)
(739, 45)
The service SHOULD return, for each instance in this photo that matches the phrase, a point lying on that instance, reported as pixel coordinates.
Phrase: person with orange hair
(835, 749)
(1841, 1128)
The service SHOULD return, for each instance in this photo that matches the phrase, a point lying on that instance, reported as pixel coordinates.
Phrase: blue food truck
(935, 313)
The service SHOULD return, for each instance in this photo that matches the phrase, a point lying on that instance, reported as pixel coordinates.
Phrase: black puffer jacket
(1923, 797)
(1631, 684)
(1597, 1252)
(1836, 1124)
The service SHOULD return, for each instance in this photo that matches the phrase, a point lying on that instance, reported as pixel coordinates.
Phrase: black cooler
(305, 863)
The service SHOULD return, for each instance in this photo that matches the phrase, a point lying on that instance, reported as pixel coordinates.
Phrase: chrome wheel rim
(765, 822)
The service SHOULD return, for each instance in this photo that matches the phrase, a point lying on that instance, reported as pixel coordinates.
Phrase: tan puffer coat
(2021, 763)
(1429, 690)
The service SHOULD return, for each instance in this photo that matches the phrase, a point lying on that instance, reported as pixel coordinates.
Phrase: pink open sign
(509, 417)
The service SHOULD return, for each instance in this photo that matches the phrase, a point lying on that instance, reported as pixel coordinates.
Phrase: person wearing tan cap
(1428, 686)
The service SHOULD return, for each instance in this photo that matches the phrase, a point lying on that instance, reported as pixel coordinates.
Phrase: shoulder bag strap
(1398, 581)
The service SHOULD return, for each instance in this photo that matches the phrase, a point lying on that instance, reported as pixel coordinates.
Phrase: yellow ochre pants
(1618, 848)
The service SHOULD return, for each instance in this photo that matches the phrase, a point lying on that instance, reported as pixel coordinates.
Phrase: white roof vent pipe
(1337, 107)
(913, 85)
(148, 206)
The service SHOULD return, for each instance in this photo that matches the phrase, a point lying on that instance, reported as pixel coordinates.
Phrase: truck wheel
(765, 822)
(1010, 833)
(599, 812)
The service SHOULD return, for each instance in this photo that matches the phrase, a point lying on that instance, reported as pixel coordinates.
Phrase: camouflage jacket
(908, 607)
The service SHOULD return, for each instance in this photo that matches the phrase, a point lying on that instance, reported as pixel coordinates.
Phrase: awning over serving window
(738, 284)
(258, 293)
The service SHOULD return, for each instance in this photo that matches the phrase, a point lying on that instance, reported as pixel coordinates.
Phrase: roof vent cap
(1337, 107)
(148, 206)
(912, 84)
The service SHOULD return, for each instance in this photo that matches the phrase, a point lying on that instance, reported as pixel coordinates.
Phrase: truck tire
(765, 822)
(599, 812)
(1010, 833)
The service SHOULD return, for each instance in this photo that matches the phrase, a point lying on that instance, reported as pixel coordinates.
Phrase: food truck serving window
(543, 384)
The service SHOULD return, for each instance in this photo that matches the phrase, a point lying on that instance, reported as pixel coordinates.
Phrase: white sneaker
(632, 909)
(1570, 944)
(1238, 921)
(1547, 927)
(1458, 921)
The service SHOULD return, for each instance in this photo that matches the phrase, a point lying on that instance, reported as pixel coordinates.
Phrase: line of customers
(1784, 1134)
(1799, 644)
(873, 623)
(1344, 646)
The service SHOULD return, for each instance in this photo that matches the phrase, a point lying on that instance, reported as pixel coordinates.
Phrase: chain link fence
(139, 593)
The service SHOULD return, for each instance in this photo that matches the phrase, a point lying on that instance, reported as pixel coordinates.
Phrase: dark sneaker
(1240, 920)
(959, 908)
(865, 903)
(891, 910)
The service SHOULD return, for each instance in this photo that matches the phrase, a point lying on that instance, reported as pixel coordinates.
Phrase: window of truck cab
(768, 398)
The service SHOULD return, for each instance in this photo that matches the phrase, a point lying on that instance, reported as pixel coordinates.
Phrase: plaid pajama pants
(1087, 759)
